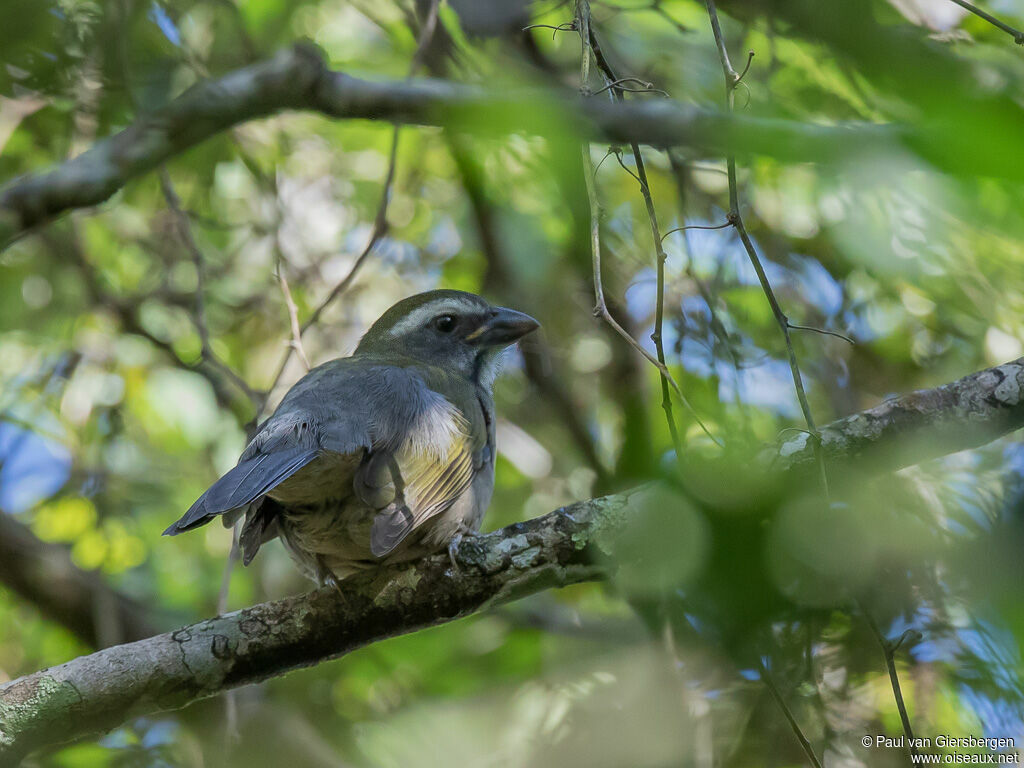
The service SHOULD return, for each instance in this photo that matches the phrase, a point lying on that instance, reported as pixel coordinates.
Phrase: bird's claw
(327, 578)
(335, 585)
(463, 533)
(453, 551)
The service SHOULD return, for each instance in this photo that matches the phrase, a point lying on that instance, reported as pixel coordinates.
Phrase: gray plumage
(383, 456)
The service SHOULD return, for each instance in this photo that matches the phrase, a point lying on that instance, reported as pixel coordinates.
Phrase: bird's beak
(503, 327)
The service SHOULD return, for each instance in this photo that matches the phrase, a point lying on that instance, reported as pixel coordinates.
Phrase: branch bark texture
(298, 79)
(98, 692)
(570, 545)
(921, 425)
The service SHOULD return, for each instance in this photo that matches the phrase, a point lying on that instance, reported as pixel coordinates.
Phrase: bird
(384, 456)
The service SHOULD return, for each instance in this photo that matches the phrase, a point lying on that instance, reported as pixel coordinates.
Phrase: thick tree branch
(921, 425)
(298, 79)
(98, 692)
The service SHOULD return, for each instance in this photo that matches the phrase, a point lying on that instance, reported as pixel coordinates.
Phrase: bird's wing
(327, 410)
(257, 472)
(425, 477)
(383, 414)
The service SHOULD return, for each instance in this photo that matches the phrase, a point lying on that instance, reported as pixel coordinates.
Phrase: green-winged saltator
(383, 456)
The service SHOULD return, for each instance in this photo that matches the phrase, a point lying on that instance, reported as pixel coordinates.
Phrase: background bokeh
(113, 418)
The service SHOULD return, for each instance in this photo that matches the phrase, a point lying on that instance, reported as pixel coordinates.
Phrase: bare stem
(613, 84)
(231, 733)
(601, 308)
(889, 650)
(589, 43)
(1016, 34)
(568, 27)
(694, 226)
(380, 228)
(583, 26)
(293, 316)
(721, 333)
(822, 331)
(183, 229)
(766, 678)
(619, 85)
(380, 219)
(732, 79)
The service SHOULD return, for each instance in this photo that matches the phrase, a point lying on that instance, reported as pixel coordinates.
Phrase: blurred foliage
(110, 428)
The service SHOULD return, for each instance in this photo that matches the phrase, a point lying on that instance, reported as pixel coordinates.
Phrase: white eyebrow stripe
(419, 316)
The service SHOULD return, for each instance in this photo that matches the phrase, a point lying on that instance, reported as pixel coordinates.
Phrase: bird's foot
(453, 551)
(326, 578)
(462, 534)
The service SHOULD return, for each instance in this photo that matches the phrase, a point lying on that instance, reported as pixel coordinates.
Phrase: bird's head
(455, 330)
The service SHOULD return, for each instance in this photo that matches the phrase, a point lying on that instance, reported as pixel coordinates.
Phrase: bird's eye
(445, 323)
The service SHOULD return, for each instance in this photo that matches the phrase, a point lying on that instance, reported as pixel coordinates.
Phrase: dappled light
(758, 489)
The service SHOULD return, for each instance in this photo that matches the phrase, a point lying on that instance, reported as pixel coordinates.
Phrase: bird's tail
(249, 481)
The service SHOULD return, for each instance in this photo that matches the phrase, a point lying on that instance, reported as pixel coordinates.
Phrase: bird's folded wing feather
(349, 407)
(247, 481)
(305, 425)
(431, 477)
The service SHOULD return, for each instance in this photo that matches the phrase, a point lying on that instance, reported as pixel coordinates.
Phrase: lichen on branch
(570, 545)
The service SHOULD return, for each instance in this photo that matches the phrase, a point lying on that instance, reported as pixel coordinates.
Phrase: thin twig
(645, 190)
(694, 226)
(889, 650)
(1016, 34)
(183, 229)
(731, 80)
(746, 68)
(719, 330)
(601, 308)
(380, 228)
(225, 579)
(231, 732)
(823, 331)
(569, 26)
(286, 291)
(380, 219)
(583, 26)
(646, 86)
(623, 89)
(613, 150)
(682, 28)
(793, 724)
(707, 169)
(623, 166)
(293, 316)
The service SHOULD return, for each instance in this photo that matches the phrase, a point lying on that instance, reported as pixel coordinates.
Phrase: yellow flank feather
(432, 485)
